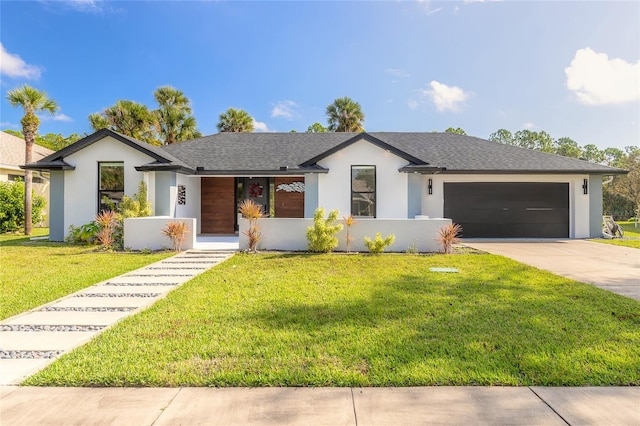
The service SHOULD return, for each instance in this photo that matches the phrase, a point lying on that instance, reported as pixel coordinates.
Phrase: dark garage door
(513, 209)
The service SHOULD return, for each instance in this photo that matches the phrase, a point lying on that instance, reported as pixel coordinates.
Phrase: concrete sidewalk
(32, 340)
(607, 266)
(445, 405)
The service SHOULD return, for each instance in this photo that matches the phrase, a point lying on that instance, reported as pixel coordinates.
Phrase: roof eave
(536, 172)
(425, 170)
(54, 165)
(164, 167)
(246, 172)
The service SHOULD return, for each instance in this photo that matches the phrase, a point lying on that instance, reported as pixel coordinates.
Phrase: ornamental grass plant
(252, 211)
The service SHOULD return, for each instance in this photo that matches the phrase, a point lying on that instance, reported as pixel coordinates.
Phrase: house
(491, 189)
(12, 157)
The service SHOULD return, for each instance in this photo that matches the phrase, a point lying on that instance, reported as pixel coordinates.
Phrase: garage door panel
(509, 209)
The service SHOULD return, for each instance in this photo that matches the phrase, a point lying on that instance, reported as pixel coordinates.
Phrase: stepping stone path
(32, 340)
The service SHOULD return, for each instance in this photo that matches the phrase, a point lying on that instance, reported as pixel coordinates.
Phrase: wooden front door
(218, 206)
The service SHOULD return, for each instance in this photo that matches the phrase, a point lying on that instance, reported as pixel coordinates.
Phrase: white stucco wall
(433, 205)
(150, 179)
(142, 233)
(291, 234)
(191, 208)
(334, 188)
(81, 184)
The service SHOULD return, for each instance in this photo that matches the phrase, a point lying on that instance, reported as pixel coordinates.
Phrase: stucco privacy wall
(81, 184)
(579, 203)
(334, 188)
(191, 206)
(291, 234)
(146, 233)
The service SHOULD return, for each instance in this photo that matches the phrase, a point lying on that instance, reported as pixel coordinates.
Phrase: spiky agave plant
(449, 235)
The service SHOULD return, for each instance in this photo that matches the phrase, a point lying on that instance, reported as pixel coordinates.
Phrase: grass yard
(631, 236)
(362, 320)
(38, 272)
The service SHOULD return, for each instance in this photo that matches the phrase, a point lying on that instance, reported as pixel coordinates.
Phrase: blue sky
(569, 68)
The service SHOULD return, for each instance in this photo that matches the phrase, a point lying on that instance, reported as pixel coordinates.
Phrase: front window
(110, 185)
(363, 191)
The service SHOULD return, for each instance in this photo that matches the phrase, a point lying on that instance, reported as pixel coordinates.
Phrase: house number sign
(182, 195)
(291, 187)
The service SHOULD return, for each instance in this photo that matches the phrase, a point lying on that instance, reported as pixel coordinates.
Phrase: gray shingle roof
(448, 152)
(291, 153)
(459, 153)
(255, 151)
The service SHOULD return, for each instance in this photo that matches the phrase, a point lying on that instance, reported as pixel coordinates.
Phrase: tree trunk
(28, 190)
(29, 130)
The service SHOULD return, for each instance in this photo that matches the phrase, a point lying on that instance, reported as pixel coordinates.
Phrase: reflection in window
(110, 185)
(363, 191)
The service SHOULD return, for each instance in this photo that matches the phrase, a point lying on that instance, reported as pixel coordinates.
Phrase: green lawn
(631, 236)
(38, 272)
(362, 320)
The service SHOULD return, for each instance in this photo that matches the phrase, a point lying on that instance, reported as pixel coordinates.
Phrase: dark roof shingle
(291, 153)
(445, 151)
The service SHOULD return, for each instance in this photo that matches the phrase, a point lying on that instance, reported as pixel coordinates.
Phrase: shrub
(449, 235)
(321, 235)
(107, 221)
(176, 231)
(12, 206)
(83, 234)
(349, 221)
(252, 211)
(378, 245)
(138, 205)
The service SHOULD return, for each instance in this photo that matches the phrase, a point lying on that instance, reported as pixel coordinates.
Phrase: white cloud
(62, 117)
(13, 66)
(529, 125)
(56, 117)
(260, 126)
(445, 98)
(9, 124)
(397, 72)
(285, 109)
(85, 6)
(413, 104)
(598, 80)
(426, 5)
(92, 6)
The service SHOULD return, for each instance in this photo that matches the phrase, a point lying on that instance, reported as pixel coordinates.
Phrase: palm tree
(129, 118)
(175, 121)
(235, 120)
(345, 115)
(32, 101)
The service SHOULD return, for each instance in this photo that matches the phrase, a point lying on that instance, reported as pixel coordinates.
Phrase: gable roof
(12, 150)
(277, 153)
(163, 160)
(228, 153)
(456, 153)
(298, 153)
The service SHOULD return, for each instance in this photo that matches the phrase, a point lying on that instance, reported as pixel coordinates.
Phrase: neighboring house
(12, 157)
(491, 189)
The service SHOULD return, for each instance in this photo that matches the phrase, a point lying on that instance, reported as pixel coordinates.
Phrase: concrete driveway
(610, 267)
